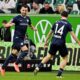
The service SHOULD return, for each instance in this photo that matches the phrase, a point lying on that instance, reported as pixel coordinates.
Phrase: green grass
(40, 76)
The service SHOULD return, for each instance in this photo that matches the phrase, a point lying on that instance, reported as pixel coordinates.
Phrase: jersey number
(60, 30)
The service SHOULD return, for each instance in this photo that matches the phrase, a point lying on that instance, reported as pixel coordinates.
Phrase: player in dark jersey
(21, 23)
(60, 30)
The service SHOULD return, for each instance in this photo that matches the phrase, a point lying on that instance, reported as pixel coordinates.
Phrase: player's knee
(49, 56)
(23, 54)
(65, 59)
(24, 48)
(24, 51)
(14, 52)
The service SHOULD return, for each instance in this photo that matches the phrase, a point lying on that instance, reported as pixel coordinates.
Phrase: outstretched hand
(79, 42)
(35, 29)
(45, 45)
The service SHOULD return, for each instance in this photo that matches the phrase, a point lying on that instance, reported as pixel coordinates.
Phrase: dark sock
(40, 65)
(60, 71)
(21, 56)
(10, 58)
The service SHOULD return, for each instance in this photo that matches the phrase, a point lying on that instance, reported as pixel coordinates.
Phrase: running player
(21, 23)
(60, 29)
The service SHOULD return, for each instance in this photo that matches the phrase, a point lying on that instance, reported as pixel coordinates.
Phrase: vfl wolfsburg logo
(43, 27)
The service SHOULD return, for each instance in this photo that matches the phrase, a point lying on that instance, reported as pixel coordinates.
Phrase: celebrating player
(60, 29)
(21, 23)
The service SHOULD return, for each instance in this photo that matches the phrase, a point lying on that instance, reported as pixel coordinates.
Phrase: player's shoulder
(56, 22)
(17, 17)
(64, 21)
(68, 23)
(27, 17)
(59, 21)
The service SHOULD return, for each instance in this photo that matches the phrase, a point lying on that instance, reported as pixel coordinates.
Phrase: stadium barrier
(73, 58)
(29, 65)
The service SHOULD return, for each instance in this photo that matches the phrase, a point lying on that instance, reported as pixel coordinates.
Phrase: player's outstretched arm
(75, 38)
(9, 24)
(33, 28)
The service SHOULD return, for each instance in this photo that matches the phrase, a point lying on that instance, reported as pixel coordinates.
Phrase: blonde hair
(61, 8)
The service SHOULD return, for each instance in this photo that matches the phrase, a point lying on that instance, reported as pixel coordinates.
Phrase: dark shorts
(61, 48)
(18, 43)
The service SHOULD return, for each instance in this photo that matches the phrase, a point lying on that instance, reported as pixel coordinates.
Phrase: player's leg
(24, 52)
(64, 54)
(12, 56)
(62, 66)
(52, 52)
(64, 62)
(45, 60)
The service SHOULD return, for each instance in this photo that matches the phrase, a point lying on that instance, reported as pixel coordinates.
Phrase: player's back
(60, 29)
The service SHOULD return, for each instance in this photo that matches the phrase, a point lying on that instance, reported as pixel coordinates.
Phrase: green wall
(74, 20)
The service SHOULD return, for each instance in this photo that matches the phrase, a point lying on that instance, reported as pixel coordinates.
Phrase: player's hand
(45, 45)
(4, 24)
(79, 42)
(35, 29)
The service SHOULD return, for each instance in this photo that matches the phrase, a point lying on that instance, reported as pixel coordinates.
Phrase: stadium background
(39, 39)
(49, 20)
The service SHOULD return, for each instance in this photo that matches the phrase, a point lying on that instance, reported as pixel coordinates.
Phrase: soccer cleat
(36, 71)
(59, 76)
(16, 67)
(2, 71)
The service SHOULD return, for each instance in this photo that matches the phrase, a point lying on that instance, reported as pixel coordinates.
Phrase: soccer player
(21, 23)
(60, 29)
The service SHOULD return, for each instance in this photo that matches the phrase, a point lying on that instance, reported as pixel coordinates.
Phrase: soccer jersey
(60, 29)
(21, 24)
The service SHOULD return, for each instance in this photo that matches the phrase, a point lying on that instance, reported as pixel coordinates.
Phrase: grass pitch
(40, 76)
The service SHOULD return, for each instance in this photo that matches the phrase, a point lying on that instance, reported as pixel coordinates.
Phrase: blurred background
(37, 6)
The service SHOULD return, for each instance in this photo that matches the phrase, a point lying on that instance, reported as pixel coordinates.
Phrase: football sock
(40, 65)
(10, 58)
(21, 56)
(60, 71)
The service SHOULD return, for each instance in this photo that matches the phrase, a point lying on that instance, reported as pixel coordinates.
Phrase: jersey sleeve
(14, 20)
(70, 28)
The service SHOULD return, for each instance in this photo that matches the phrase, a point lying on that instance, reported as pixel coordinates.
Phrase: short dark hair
(36, 1)
(4, 21)
(64, 13)
(46, 2)
(26, 6)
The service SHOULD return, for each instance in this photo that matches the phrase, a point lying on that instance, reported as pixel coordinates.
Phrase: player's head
(24, 10)
(64, 14)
